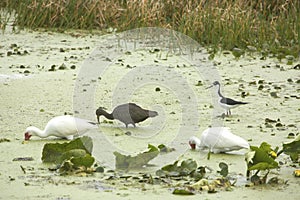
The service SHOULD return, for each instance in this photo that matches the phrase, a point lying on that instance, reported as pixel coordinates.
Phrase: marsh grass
(272, 27)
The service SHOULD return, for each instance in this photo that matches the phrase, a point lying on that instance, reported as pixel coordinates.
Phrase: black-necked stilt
(224, 102)
(128, 113)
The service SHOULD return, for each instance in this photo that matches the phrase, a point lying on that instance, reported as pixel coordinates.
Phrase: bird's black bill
(93, 123)
(209, 87)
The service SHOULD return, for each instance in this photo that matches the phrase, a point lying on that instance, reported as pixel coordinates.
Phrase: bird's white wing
(220, 139)
(230, 141)
(83, 125)
(64, 126)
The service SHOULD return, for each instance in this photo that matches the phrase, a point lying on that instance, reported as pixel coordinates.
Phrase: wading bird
(128, 113)
(224, 102)
(64, 126)
(218, 140)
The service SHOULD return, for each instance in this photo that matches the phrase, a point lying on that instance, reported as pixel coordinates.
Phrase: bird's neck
(38, 132)
(219, 91)
(108, 115)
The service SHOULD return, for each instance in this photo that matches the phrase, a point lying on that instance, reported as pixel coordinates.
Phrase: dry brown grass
(266, 24)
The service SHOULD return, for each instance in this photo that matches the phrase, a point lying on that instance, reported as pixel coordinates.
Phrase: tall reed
(265, 24)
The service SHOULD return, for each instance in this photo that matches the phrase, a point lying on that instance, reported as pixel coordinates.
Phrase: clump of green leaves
(193, 177)
(127, 162)
(260, 159)
(293, 149)
(187, 167)
(70, 157)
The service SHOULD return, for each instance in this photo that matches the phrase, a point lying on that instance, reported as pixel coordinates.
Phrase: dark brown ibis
(128, 113)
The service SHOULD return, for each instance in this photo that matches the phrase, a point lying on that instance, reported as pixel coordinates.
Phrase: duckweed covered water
(32, 93)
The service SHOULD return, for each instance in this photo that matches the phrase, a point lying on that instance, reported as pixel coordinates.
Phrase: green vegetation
(261, 158)
(271, 27)
(185, 168)
(292, 149)
(70, 157)
(187, 178)
(127, 162)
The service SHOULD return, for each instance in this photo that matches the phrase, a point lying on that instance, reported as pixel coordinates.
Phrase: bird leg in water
(208, 155)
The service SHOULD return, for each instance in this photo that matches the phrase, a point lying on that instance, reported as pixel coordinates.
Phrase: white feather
(65, 126)
(219, 139)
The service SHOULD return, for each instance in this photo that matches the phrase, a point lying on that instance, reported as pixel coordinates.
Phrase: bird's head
(27, 136)
(100, 111)
(214, 84)
(194, 142)
(28, 133)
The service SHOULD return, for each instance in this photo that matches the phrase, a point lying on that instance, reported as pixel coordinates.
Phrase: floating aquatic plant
(224, 169)
(261, 158)
(292, 149)
(193, 175)
(185, 168)
(74, 156)
(182, 192)
(53, 152)
(127, 162)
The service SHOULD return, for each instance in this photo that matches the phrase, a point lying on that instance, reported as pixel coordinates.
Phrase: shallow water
(184, 110)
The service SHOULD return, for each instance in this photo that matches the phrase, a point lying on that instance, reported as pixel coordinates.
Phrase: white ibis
(218, 140)
(128, 113)
(64, 126)
(224, 102)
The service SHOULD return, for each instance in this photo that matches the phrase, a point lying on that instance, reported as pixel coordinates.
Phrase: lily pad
(188, 166)
(182, 192)
(71, 154)
(70, 157)
(99, 169)
(56, 153)
(86, 161)
(224, 169)
(185, 168)
(164, 149)
(127, 162)
(261, 158)
(293, 149)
